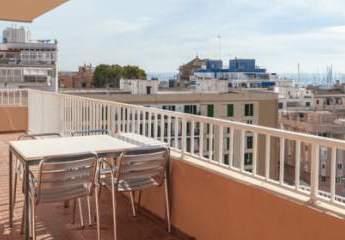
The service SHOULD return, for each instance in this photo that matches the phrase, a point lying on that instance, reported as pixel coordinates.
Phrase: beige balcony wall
(209, 206)
(13, 119)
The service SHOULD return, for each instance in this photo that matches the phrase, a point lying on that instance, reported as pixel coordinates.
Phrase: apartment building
(27, 63)
(139, 86)
(320, 112)
(251, 107)
(83, 78)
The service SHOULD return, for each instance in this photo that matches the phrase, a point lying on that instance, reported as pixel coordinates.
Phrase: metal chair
(64, 178)
(138, 170)
(18, 171)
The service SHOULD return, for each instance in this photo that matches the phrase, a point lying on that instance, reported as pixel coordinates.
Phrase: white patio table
(31, 152)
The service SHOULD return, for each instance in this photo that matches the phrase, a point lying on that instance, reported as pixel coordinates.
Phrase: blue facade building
(244, 65)
(213, 65)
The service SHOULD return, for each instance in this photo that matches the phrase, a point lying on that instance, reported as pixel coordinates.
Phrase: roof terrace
(216, 193)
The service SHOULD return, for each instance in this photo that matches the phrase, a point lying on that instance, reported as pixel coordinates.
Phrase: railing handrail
(324, 141)
(80, 112)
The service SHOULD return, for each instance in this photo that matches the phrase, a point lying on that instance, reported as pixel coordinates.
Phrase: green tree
(133, 72)
(110, 75)
(107, 75)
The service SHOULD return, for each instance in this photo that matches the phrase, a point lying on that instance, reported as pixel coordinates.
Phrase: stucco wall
(13, 119)
(208, 206)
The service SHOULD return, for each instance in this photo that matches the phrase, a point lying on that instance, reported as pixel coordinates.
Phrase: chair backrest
(39, 136)
(66, 177)
(90, 132)
(148, 162)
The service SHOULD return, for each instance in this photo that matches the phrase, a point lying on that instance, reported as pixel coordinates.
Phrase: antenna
(220, 46)
(299, 73)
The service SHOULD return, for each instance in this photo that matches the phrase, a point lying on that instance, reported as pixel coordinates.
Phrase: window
(210, 110)
(191, 109)
(338, 179)
(248, 159)
(323, 166)
(307, 104)
(249, 142)
(249, 110)
(317, 102)
(340, 166)
(280, 105)
(226, 159)
(230, 110)
(169, 107)
(323, 179)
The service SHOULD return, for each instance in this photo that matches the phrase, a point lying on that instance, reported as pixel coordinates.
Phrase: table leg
(27, 204)
(10, 168)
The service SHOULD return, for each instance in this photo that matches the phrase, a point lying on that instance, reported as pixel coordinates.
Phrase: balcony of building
(222, 185)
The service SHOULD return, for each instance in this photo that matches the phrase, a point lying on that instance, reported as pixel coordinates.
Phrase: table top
(40, 148)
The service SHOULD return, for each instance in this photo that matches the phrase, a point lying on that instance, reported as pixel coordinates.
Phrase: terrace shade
(26, 10)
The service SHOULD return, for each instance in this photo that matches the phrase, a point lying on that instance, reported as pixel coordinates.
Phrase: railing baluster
(184, 138)
(128, 119)
(144, 123)
(150, 125)
(201, 139)
(133, 120)
(176, 123)
(255, 151)
(267, 156)
(169, 131)
(210, 142)
(162, 125)
(333, 172)
(281, 160)
(220, 145)
(242, 149)
(119, 119)
(298, 164)
(314, 183)
(231, 148)
(192, 137)
(155, 125)
(138, 122)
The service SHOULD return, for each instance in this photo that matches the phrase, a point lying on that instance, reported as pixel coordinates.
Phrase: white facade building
(139, 86)
(15, 35)
(209, 86)
(25, 63)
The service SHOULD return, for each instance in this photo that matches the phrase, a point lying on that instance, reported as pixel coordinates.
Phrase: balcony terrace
(212, 196)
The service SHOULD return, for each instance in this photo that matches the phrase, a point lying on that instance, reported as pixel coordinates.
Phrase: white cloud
(117, 26)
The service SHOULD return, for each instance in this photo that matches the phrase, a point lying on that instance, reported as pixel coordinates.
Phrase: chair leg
(81, 213)
(167, 204)
(89, 210)
(33, 219)
(14, 191)
(133, 204)
(139, 198)
(114, 209)
(22, 220)
(97, 215)
(74, 209)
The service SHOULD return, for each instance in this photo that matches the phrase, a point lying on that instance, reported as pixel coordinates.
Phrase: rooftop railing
(284, 159)
(13, 97)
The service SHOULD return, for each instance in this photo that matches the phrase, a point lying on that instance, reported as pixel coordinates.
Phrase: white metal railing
(283, 158)
(13, 97)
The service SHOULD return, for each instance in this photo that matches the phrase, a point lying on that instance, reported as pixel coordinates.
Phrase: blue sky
(160, 35)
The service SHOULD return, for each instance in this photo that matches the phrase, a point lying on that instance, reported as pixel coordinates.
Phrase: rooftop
(55, 221)
(211, 197)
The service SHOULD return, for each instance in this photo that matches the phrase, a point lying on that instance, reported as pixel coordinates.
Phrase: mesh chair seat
(133, 184)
